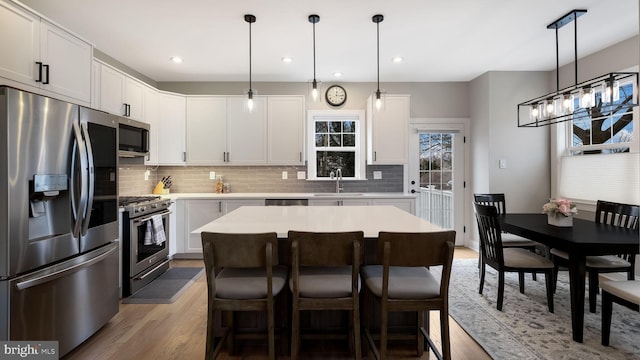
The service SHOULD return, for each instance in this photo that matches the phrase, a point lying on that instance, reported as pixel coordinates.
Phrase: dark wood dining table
(584, 238)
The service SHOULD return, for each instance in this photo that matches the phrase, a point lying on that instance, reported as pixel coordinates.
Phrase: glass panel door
(436, 174)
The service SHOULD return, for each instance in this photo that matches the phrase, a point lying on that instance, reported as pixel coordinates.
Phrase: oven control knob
(154, 206)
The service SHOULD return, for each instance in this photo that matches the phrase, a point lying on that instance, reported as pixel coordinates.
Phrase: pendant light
(378, 19)
(560, 106)
(250, 19)
(314, 19)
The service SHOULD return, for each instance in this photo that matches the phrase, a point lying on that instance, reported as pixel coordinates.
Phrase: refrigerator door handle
(79, 206)
(65, 271)
(89, 200)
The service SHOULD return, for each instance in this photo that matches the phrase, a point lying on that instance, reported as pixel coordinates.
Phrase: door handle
(39, 79)
(63, 272)
(46, 68)
(91, 178)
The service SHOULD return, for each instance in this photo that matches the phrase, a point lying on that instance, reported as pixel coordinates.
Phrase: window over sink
(335, 140)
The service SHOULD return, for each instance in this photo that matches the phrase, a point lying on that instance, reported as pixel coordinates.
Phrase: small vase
(560, 220)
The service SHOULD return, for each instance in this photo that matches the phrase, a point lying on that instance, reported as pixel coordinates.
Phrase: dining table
(584, 238)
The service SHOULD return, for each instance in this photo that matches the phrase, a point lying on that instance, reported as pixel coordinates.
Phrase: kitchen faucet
(338, 176)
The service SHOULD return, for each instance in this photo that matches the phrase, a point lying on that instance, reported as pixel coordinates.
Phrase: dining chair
(508, 240)
(402, 281)
(616, 214)
(242, 275)
(504, 259)
(325, 271)
(626, 293)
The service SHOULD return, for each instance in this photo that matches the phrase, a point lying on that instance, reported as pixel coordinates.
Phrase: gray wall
(495, 136)
(439, 99)
(618, 57)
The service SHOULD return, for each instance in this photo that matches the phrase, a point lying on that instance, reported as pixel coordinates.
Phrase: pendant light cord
(249, 56)
(314, 52)
(378, 51)
(377, 19)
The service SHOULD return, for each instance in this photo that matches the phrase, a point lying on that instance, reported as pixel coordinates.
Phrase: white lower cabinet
(193, 214)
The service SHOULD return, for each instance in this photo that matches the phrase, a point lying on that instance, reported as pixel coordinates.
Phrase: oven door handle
(135, 221)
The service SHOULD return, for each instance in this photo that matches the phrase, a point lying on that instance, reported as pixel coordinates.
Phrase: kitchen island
(193, 210)
(280, 219)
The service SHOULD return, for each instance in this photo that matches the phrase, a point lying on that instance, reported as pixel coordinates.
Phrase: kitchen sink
(338, 194)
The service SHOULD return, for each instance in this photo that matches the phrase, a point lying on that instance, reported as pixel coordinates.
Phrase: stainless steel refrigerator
(58, 219)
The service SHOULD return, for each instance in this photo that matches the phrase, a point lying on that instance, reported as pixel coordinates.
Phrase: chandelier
(601, 97)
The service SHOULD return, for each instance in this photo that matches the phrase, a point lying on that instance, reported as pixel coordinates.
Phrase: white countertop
(316, 196)
(281, 219)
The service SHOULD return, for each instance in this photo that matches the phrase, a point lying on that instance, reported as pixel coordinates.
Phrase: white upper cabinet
(246, 131)
(69, 62)
(206, 130)
(286, 130)
(387, 131)
(120, 94)
(221, 130)
(171, 129)
(41, 55)
(151, 113)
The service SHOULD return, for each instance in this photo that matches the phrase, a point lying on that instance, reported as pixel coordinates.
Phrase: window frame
(633, 145)
(358, 116)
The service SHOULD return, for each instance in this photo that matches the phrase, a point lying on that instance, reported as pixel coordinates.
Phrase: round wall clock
(335, 95)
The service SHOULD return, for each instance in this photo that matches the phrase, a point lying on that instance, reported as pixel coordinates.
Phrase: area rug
(525, 329)
(167, 288)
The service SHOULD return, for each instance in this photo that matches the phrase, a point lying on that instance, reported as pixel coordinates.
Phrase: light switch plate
(212, 175)
(302, 175)
(285, 175)
(502, 164)
(377, 175)
(147, 173)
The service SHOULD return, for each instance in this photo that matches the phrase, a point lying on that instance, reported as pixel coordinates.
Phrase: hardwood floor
(177, 331)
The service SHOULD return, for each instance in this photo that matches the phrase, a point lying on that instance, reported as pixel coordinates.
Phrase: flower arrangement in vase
(560, 212)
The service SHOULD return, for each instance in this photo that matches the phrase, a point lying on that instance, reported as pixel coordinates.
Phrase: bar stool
(249, 278)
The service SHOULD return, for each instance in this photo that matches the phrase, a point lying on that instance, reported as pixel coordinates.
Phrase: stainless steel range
(144, 251)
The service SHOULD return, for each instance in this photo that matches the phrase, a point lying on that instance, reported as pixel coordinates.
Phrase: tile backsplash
(250, 179)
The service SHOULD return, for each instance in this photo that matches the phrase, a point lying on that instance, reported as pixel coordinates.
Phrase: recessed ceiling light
(176, 59)
(337, 74)
(398, 59)
(287, 59)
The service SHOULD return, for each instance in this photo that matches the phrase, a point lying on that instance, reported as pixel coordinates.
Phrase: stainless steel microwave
(133, 138)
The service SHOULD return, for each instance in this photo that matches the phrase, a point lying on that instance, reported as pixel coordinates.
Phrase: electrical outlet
(377, 175)
(212, 175)
(285, 175)
(302, 175)
(146, 175)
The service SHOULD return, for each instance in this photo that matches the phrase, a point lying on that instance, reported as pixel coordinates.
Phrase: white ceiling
(454, 40)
